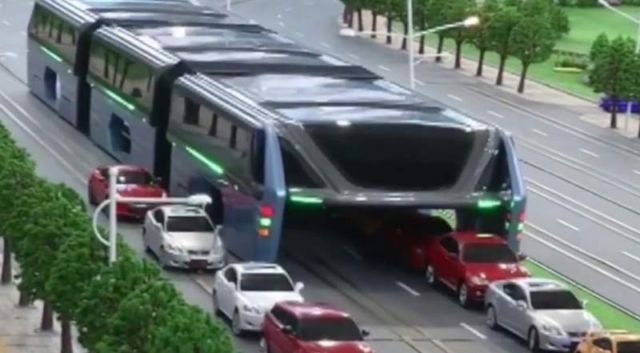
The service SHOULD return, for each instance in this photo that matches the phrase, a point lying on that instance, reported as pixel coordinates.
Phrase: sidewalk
(19, 327)
(534, 91)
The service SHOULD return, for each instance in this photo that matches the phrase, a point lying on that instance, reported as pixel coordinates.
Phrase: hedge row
(128, 307)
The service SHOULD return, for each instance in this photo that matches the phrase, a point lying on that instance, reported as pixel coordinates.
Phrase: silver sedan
(544, 312)
(183, 237)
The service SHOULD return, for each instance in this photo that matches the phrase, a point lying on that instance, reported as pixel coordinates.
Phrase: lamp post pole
(410, 46)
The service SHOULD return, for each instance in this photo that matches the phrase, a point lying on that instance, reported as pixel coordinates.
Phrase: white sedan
(245, 292)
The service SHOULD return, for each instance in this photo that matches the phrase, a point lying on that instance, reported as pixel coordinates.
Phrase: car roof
(540, 284)
(306, 310)
(477, 238)
(182, 211)
(259, 267)
(129, 167)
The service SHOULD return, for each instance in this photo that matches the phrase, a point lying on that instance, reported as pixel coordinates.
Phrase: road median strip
(610, 314)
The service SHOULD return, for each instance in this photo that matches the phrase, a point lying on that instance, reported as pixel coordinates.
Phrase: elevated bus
(221, 106)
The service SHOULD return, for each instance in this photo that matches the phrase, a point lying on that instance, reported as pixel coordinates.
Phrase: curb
(606, 300)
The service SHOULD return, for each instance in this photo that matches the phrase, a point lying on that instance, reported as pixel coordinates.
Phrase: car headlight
(250, 309)
(218, 246)
(552, 330)
(164, 194)
(172, 248)
(479, 280)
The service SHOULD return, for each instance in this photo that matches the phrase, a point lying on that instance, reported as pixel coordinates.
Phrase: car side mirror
(521, 304)
(522, 257)
(584, 303)
(365, 333)
(299, 286)
(287, 330)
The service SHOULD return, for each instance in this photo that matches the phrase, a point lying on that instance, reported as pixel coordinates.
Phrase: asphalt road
(583, 181)
(403, 313)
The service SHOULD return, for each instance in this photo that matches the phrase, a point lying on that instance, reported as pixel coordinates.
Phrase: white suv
(245, 292)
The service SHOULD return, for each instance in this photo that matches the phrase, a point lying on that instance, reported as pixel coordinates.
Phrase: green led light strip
(55, 56)
(305, 199)
(199, 156)
(117, 98)
(489, 203)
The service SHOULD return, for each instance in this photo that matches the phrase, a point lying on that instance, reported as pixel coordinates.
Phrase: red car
(294, 327)
(468, 262)
(133, 181)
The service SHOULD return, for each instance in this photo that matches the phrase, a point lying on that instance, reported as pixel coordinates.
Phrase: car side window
(603, 343)
(514, 292)
(104, 172)
(280, 315)
(449, 244)
(158, 215)
(231, 275)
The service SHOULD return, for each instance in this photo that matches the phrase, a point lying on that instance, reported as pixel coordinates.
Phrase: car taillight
(265, 219)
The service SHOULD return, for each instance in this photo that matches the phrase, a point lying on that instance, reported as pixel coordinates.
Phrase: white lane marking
(280, 23)
(8, 54)
(408, 289)
(473, 330)
(24, 33)
(298, 34)
(584, 262)
(44, 144)
(19, 108)
(288, 9)
(353, 56)
(592, 154)
(384, 68)
(325, 45)
(352, 252)
(636, 172)
(497, 115)
(420, 82)
(207, 288)
(279, 16)
(568, 225)
(6, 23)
(631, 256)
(456, 98)
(540, 132)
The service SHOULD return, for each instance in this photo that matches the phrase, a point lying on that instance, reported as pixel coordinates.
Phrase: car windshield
(628, 347)
(189, 224)
(554, 300)
(338, 329)
(265, 282)
(488, 253)
(137, 177)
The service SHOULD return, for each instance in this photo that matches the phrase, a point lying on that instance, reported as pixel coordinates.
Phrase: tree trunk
(440, 47)
(65, 336)
(480, 63)
(503, 61)
(458, 54)
(24, 300)
(614, 112)
(374, 24)
(360, 24)
(389, 28)
(406, 33)
(350, 20)
(6, 261)
(47, 317)
(422, 29)
(523, 77)
(345, 14)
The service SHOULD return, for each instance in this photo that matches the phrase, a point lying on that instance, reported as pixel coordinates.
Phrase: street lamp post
(468, 22)
(114, 199)
(606, 4)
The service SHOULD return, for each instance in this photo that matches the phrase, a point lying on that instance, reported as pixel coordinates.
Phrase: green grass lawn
(586, 24)
(609, 316)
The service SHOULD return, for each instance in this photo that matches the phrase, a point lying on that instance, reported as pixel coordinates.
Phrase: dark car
(606, 104)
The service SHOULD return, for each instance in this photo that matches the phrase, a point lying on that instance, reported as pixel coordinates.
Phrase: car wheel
(235, 324)
(430, 275)
(533, 342)
(463, 295)
(214, 300)
(492, 317)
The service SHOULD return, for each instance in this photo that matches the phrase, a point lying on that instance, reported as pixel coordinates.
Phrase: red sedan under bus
(132, 181)
(467, 262)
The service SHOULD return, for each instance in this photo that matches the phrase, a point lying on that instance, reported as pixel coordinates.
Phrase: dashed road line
(298, 34)
(408, 289)
(352, 252)
(353, 56)
(631, 256)
(568, 225)
(497, 115)
(592, 154)
(636, 172)
(384, 68)
(541, 133)
(6, 23)
(325, 45)
(288, 9)
(473, 330)
(455, 98)
(207, 288)
(279, 16)
(419, 82)
(280, 23)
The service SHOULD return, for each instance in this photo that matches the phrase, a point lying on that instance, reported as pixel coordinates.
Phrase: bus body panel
(518, 193)
(122, 133)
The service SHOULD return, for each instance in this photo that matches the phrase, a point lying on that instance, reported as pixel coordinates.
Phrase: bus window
(54, 32)
(257, 156)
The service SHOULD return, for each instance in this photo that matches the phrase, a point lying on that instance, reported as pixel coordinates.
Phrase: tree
(559, 21)
(532, 41)
(128, 329)
(189, 330)
(102, 298)
(500, 29)
(399, 13)
(599, 47)
(435, 17)
(80, 260)
(480, 34)
(613, 72)
(421, 7)
(456, 11)
(347, 12)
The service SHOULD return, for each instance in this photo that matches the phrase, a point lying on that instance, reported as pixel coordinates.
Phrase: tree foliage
(532, 41)
(500, 30)
(480, 36)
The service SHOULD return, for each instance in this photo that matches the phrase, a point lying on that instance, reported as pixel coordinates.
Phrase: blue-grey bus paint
(519, 198)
